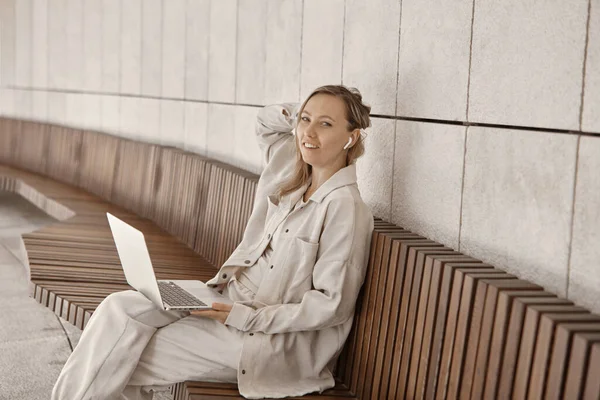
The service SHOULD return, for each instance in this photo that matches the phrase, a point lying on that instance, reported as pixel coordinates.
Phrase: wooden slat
(349, 355)
(445, 320)
(559, 360)
(501, 335)
(412, 333)
(410, 259)
(372, 311)
(513, 340)
(362, 313)
(31, 149)
(134, 179)
(433, 315)
(9, 140)
(210, 216)
(423, 329)
(167, 193)
(390, 273)
(195, 175)
(591, 389)
(98, 162)
(578, 364)
(227, 245)
(201, 201)
(64, 154)
(543, 348)
(474, 377)
(469, 312)
(530, 340)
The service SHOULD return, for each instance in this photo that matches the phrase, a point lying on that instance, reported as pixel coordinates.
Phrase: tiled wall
(486, 114)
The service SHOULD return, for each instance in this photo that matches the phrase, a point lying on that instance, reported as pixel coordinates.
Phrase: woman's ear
(355, 136)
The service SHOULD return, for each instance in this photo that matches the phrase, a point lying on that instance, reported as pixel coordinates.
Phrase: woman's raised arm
(272, 125)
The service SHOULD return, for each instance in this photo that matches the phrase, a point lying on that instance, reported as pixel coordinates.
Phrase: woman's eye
(306, 119)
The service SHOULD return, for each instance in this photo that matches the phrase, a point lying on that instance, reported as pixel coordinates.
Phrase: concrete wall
(486, 128)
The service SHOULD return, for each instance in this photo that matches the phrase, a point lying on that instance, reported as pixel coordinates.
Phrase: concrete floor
(34, 342)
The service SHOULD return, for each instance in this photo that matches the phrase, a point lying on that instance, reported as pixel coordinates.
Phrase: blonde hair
(357, 116)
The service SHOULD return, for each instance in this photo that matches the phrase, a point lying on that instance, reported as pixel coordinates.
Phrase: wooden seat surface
(76, 259)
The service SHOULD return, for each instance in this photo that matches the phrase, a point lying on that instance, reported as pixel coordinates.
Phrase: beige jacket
(303, 310)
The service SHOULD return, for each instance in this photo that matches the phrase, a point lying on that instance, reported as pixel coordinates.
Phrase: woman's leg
(110, 347)
(192, 348)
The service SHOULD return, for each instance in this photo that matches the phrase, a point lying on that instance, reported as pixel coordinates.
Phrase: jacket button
(287, 230)
(271, 267)
(243, 371)
(224, 276)
(269, 236)
(252, 334)
(247, 262)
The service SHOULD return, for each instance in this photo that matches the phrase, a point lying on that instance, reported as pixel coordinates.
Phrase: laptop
(166, 294)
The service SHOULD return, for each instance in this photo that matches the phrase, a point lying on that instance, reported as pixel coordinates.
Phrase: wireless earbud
(348, 144)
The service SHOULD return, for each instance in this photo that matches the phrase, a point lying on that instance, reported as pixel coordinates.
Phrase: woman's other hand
(290, 111)
(219, 312)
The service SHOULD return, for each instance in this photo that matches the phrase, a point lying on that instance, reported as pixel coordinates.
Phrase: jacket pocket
(299, 266)
(239, 292)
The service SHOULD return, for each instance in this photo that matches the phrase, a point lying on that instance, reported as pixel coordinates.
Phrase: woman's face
(323, 123)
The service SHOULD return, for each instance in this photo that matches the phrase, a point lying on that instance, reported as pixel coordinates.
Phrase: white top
(245, 284)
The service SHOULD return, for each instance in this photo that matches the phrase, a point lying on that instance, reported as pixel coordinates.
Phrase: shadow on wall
(520, 266)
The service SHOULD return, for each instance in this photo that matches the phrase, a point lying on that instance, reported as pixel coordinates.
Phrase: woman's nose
(310, 131)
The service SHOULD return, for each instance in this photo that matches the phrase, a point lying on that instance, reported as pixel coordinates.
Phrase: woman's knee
(125, 299)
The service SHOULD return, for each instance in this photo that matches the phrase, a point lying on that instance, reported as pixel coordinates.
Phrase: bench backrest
(204, 203)
(430, 322)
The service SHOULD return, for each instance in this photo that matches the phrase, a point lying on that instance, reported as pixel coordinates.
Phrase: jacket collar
(343, 177)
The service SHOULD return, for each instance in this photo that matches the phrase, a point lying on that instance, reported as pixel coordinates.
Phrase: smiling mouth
(310, 148)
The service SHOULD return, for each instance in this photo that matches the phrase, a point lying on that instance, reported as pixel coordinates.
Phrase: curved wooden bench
(430, 322)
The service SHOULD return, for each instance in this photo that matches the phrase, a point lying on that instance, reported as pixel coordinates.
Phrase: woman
(294, 278)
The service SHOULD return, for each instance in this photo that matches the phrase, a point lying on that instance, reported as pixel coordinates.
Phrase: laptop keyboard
(175, 296)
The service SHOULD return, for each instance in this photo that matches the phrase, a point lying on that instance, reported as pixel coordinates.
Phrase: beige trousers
(131, 347)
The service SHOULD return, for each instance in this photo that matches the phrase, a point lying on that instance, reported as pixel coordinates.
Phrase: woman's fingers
(216, 313)
(204, 313)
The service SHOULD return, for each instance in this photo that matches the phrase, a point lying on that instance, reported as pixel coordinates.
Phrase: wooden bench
(430, 322)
